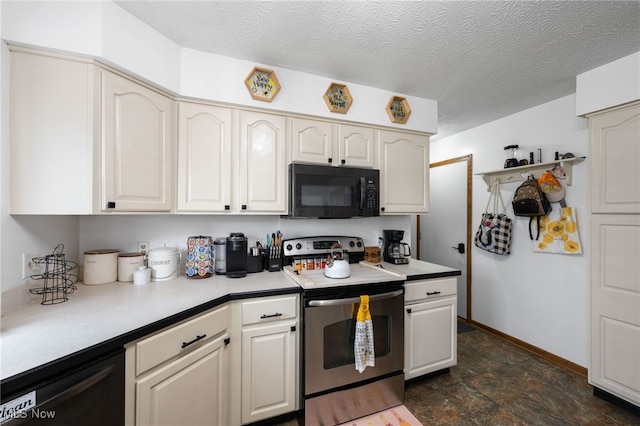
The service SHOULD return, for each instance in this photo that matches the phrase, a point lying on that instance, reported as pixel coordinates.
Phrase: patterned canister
(200, 256)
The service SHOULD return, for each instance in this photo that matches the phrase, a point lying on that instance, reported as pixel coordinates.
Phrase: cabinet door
(268, 371)
(138, 147)
(263, 169)
(430, 337)
(52, 124)
(312, 141)
(192, 390)
(615, 154)
(615, 305)
(404, 173)
(357, 146)
(204, 158)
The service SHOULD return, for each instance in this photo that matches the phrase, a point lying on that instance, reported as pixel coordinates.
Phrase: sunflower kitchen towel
(559, 233)
(363, 343)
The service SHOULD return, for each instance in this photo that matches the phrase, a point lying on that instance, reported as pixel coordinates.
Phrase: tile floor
(498, 383)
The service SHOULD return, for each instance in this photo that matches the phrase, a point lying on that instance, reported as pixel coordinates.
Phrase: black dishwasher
(89, 394)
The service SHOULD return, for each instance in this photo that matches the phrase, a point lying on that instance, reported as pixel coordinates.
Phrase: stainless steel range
(334, 391)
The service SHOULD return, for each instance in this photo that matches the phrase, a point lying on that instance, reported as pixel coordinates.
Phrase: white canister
(100, 266)
(141, 276)
(128, 263)
(163, 262)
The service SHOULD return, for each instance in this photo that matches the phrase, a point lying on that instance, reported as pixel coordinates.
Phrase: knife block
(273, 259)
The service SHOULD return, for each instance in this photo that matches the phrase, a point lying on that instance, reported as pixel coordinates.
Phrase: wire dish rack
(57, 281)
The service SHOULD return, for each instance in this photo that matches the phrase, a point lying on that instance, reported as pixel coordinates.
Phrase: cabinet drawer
(429, 289)
(258, 311)
(170, 343)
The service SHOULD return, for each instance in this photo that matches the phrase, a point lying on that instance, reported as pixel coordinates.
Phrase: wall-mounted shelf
(520, 173)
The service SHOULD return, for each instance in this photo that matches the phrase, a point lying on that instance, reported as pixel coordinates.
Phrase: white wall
(612, 84)
(123, 232)
(539, 298)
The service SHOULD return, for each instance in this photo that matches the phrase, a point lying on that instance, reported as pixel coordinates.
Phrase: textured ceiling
(481, 60)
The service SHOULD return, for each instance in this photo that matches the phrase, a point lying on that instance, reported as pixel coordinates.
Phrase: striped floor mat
(396, 416)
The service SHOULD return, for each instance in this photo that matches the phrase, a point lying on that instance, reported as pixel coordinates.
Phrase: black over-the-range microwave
(332, 192)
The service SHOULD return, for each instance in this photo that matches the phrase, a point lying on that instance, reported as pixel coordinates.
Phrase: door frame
(469, 160)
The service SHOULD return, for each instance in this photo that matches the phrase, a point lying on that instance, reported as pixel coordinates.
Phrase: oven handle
(352, 300)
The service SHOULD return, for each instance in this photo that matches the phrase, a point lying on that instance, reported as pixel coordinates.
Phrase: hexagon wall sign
(263, 84)
(338, 98)
(398, 110)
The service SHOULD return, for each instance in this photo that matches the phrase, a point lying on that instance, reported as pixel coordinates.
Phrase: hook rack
(520, 173)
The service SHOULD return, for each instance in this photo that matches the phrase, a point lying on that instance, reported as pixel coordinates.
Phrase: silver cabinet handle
(352, 300)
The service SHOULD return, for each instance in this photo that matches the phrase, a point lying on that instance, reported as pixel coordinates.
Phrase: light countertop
(420, 270)
(37, 334)
(96, 316)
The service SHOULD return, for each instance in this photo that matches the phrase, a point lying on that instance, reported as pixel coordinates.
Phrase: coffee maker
(236, 255)
(394, 249)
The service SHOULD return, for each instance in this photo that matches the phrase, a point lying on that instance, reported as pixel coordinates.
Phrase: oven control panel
(317, 246)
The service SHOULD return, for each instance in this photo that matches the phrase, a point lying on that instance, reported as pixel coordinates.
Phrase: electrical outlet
(29, 267)
(143, 247)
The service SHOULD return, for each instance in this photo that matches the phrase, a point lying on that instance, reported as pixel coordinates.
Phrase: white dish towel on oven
(363, 348)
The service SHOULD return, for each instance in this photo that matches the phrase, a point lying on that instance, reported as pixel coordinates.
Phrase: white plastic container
(100, 266)
(141, 276)
(163, 262)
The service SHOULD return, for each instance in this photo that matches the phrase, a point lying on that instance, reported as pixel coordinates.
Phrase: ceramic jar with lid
(163, 263)
(128, 263)
(100, 266)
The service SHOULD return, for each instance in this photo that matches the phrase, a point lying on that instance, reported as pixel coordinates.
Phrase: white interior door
(445, 226)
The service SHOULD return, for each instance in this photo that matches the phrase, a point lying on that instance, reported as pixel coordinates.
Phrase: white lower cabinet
(430, 326)
(181, 375)
(614, 364)
(189, 391)
(269, 357)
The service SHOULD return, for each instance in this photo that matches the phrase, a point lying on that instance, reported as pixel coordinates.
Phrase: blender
(511, 161)
(395, 250)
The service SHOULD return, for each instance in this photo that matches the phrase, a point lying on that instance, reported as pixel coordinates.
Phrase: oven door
(329, 340)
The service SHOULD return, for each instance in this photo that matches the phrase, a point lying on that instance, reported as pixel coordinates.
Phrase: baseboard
(534, 349)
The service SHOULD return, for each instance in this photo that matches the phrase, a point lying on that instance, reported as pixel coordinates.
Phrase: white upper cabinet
(138, 147)
(404, 173)
(204, 158)
(320, 142)
(357, 146)
(52, 134)
(311, 141)
(86, 139)
(262, 168)
(615, 175)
